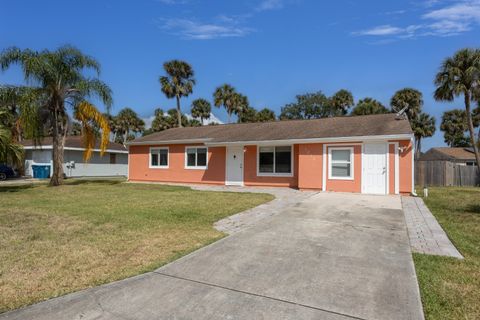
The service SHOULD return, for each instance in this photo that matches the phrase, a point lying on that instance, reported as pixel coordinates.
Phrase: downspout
(413, 167)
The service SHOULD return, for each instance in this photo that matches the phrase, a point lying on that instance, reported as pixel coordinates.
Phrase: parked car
(6, 172)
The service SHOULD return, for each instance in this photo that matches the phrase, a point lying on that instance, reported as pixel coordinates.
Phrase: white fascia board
(50, 147)
(160, 142)
(406, 136)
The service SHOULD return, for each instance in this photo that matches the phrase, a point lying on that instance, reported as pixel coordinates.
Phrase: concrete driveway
(333, 256)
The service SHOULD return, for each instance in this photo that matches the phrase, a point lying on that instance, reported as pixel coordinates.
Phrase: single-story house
(459, 156)
(114, 161)
(363, 154)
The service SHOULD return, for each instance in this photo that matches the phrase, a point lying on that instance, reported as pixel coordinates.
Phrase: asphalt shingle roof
(348, 126)
(73, 142)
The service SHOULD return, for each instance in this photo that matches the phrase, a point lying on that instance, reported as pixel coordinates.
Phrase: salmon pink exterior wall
(250, 171)
(307, 167)
(354, 185)
(391, 165)
(139, 157)
(310, 166)
(405, 166)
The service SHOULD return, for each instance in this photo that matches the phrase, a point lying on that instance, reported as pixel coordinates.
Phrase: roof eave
(155, 142)
(405, 136)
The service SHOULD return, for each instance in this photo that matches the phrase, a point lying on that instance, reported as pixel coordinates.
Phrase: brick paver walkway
(425, 233)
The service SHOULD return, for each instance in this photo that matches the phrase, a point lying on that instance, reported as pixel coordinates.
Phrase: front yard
(85, 233)
(450, 288)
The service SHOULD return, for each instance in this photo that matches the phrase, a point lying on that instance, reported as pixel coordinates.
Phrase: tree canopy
(459, 75)
(178, 82)
(368, 106)
(57, 80)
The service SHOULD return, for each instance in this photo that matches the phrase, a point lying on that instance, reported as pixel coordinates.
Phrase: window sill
(196, 168)
(287, 175)
(341, 178)
(158, 167)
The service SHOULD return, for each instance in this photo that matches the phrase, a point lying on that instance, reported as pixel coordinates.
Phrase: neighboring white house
(114, 161)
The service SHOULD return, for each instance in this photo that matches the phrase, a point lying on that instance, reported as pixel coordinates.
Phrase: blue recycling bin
(41, 171)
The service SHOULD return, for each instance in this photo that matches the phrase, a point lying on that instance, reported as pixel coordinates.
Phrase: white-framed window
(275, 161)
(196, 157)
(340, 163)
(159, 157)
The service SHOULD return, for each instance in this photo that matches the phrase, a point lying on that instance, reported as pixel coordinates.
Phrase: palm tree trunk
(229, 117)
(57, 151)
(179, 112)
(418, 148)
(470, 128)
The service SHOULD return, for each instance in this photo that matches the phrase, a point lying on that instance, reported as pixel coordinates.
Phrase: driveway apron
(332, 256)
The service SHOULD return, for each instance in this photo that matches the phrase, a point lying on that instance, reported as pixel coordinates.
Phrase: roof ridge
(290, 120)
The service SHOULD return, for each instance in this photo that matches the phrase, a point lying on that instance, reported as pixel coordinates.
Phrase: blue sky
(269, 50)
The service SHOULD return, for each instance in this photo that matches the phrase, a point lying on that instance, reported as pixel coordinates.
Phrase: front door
(234, 166)
(374, 168)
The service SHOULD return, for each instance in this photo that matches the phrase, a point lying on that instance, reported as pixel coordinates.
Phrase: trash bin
(41, 171)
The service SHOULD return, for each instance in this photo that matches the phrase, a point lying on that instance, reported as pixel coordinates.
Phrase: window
(470, 163)
(341, 163)
(275, 160)
(113, 158)
(159, 158)
(196, 158)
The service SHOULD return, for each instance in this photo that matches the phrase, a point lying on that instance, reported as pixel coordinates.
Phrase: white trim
(150, 166)
(274, 174)
(128, 164)
(314, 140)
(49, 147)
(388, 168)
(324, 168)
(183, 141)
(397, 169)
(196, 158)
(352, 157)
(235, 183)
(362, 175)
(412, 142)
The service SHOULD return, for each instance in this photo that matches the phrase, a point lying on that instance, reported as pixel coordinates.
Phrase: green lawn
(450, 288)
(85, 233)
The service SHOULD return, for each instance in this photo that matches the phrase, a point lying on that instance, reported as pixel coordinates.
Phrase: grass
(85, 233)
(450, 288)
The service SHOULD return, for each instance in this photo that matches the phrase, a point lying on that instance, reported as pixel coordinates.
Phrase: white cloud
(212, 119)
(464, 11)
(148, 121)
(269, 5)
(172, 2)
(190, 29)
(450, 20)
(380, 31)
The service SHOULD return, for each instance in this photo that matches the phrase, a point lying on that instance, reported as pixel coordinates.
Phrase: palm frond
(88, 115)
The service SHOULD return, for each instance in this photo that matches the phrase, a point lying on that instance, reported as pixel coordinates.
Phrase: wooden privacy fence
(445, 173)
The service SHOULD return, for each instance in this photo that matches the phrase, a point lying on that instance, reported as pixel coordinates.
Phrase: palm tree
(454, 125)
(128, 124)
(369, 106)
(177, 83)
(423, 126)
(265, 115)
(58, 81)
(201, 108)
(224, 96)
(10, 151)
(340, 102)
(240, 105)
(460, 75)
(408, 98)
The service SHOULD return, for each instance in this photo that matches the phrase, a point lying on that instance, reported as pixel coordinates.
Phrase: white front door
(234, 166)
(374, 165)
